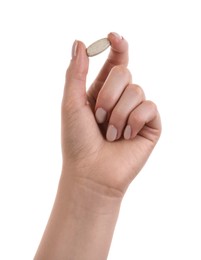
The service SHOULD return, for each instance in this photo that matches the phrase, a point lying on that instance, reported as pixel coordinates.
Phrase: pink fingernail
(111, 133)
(74, 49)
(127, 132)
(100, 115)
(117, 35)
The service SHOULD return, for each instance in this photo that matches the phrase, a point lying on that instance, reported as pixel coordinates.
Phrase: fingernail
(100, 115)
(74, 49)
(111, 133)
(117, 35)
(127, 132)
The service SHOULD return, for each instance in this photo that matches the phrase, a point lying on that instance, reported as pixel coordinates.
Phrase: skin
(97, 170)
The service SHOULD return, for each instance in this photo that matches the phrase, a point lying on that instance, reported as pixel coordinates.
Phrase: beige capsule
(98, 47)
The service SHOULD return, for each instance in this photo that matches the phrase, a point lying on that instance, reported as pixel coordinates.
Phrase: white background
(160, 216)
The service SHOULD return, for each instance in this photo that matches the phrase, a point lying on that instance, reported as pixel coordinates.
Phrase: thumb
(75, 85)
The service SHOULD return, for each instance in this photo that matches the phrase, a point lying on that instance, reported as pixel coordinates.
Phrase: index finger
(118, 56)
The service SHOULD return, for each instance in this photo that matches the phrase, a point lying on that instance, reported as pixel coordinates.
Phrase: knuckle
(136, 119)
(121, 70)
(139, 91)
(108, 99)
(117, 117)
(76, 73)
(152, 106)
(136, 91)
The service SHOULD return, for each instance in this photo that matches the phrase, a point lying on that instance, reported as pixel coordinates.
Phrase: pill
(98, 47)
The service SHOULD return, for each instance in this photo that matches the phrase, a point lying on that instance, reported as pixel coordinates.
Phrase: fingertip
(115, 36)
(118, 43)
(79, 63)
(119, 49)
(75, 85)
(79, 50)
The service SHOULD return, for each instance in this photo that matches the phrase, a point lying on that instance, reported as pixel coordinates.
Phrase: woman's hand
(109, 132)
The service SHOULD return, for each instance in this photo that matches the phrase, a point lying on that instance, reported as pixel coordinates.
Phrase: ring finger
(132, 96)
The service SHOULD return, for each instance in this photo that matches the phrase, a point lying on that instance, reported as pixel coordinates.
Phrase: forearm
(81, 224)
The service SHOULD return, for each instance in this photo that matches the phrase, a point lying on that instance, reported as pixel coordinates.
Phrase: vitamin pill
(98, 47)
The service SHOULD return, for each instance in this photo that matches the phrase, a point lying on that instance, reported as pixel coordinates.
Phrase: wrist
(83, 218)
(86, 195)
(81, 224)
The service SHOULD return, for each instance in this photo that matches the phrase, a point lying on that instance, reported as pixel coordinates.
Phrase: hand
(107, 136)
(109, 132)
